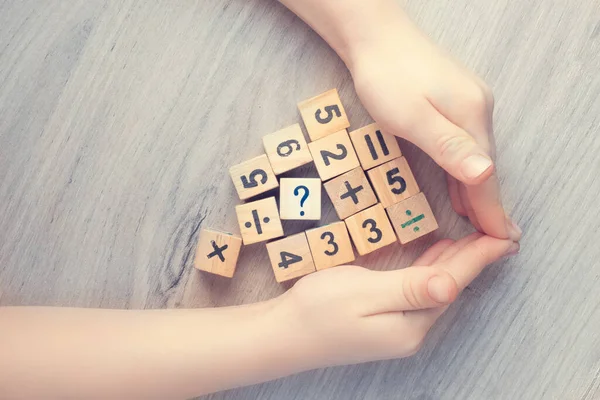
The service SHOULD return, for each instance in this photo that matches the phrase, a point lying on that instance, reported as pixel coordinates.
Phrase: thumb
(452, 148)
(412, 289)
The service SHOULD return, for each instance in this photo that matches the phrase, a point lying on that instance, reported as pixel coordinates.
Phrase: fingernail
(438, 289)
(514, 232)
(513, 250)
(472, 167)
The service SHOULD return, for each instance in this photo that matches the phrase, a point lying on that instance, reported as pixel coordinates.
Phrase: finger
(455, 196)
(487, 208)
(469, 261)
(452, 148)
(458, 245)
(410, 289)
(464, 197)
(432, 253)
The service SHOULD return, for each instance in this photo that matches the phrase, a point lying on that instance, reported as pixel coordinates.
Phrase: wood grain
(120, 119)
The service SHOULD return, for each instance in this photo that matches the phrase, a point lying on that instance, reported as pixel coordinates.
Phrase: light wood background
(119, 120)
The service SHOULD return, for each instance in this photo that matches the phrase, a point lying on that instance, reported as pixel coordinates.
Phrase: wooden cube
(217, 252)
(370, 230)
(259, 220)
(350, 193)
(393, 182)
(300, 199)
(412, 218)
(333, 155)
(323, 114)
(373, 146)
(290, 257)
(330, 245)
(287, 149)
(253, 177)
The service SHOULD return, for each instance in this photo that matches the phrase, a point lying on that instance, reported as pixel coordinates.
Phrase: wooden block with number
(290, 257)
(300, 199)
(374, 147)
(412, 218)
(259, 220)
(370, 230)
(333, 155)
(217, 252)
(287, 149)
(393, 182)
(350, 193)
(253, 177)
(323, 115)
(330, 245)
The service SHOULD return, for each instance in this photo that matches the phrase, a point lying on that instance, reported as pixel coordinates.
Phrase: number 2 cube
(290, 257)
(333, 155)
(253, 177)
(287, 149)
(370, 229)
(323, 114)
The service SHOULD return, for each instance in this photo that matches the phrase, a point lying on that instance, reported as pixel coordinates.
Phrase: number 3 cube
(370, 230)
(330, 245)
(290, 257)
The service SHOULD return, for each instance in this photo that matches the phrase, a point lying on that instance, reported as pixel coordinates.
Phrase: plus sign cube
(217, 252)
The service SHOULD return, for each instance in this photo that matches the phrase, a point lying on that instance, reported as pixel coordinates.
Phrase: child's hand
(415, 91)
(350, 314)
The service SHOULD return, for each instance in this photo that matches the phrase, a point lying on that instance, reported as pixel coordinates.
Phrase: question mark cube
(253, 177)
(330, 245)
(300, 199)
(370, 230)
(287, 149)
(217, 252)
(373, 146)
(393, 182)
(323, 114)
(350, 193)
(290, 257)
(333, 155)
(412, 218)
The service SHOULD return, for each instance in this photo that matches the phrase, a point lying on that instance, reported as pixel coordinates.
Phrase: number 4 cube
(290, 257)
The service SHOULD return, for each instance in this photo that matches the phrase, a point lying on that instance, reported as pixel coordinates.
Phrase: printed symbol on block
(351, 192)
(217, 251)
(374, 147)
(333, 155)
(393, 181)
(330, 245)
(412, 221)
(412, 218)
(323, 115)
(287, 149)
(259, 220)
(300, 199)
(370, 229)
(290, 257)
(253, 177)
(304, 196)
(257, 223)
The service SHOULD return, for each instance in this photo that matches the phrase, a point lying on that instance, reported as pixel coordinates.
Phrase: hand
(415, 91)
(349, 314)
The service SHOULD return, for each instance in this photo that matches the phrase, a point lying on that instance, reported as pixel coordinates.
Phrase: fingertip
(476, 169)
(442, 288)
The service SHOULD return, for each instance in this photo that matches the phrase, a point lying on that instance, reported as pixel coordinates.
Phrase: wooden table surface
(119, 120)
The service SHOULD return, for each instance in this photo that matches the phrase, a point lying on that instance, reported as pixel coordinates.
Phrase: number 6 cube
(290, 257)
(287, 149)
(370, 230)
